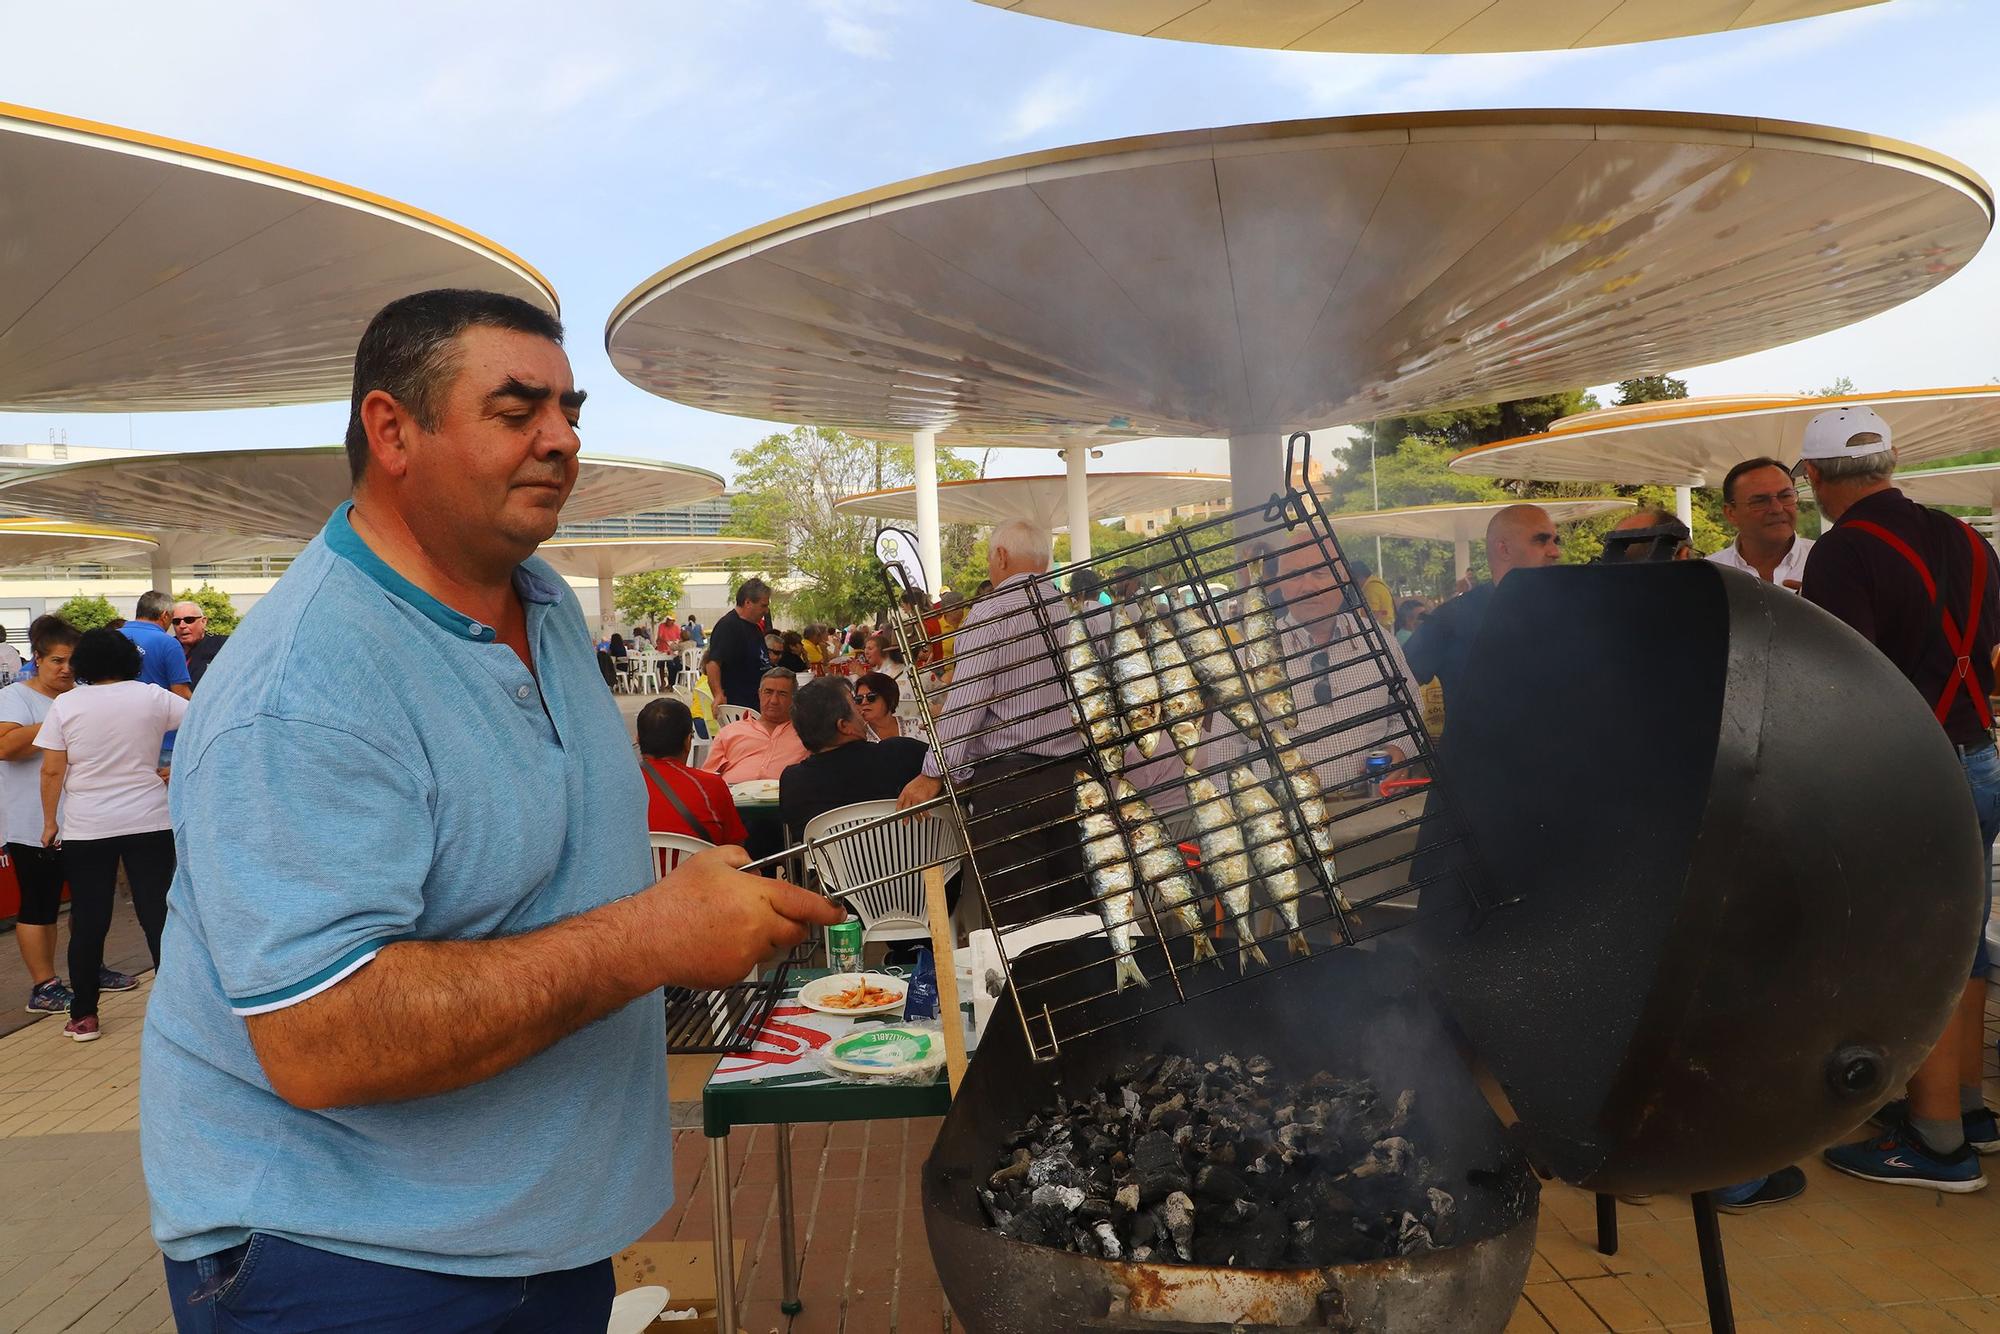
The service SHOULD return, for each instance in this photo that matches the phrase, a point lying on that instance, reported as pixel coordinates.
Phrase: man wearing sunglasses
(190, 625)
(1762, 505)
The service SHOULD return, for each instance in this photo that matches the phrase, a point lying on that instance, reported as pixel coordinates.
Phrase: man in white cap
(1925, 589)
(1761, 503)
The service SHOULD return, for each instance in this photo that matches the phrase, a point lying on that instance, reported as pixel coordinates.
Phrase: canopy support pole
(1256, 469)
(163, 572)
(1684, 506)
(930, 536)
(607, 600)
(1461, 558)
(1077, 459)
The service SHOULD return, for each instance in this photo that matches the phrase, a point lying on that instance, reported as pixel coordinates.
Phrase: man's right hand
(713, 923)
(918, 791)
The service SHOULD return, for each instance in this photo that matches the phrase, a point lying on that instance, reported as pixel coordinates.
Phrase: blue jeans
(1982, 771)
(272, 1286)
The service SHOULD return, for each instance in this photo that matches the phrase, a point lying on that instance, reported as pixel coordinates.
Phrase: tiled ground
(74, 1254)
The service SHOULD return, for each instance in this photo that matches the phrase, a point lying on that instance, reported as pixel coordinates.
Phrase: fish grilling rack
(1179, 765)
(724, 1021)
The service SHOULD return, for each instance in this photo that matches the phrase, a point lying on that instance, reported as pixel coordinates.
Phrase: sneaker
(1982, 1129)
(1787, 1183)
(1899, 1158)
(51, 997)
(107, 980)
(85, 1030)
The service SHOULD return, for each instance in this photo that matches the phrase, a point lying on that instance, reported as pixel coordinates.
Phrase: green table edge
(727, 1105)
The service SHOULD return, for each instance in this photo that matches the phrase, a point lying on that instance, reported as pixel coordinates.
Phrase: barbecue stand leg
(1607, 1224)
(787, 1238)
(725, 1233)
(1714, 1275)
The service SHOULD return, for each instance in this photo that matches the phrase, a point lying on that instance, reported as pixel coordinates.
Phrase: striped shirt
(1006, 695)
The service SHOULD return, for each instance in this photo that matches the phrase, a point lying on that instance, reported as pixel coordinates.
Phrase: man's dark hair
(1748, 465)
(818, 710)
(153, 604)
(1362, 569)
(105, 655)
(664, 728)
(750, 590)
(410, 351)
(50, 632)
(883, 685)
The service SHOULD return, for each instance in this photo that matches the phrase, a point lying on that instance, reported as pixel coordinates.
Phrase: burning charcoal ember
(1177, 1213)
(1222, 1161)
(1067, 1198)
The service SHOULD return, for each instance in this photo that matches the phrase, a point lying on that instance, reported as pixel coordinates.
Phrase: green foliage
(1583, 541)
(1843, 385)
(1651, 389)
(88, 611)
(1104, 540)
(215, 605)
(786, 486)
(648, 598)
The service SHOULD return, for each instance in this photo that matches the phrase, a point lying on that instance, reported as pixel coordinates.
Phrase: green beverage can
(843, 946)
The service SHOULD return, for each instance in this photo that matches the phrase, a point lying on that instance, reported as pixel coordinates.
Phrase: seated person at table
(784, 651)
(762, 746)
(679, 799)
(843, 767)
(878, 695)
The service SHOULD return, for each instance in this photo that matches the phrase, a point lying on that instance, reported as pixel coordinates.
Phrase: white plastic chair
(893, 909)
(670, 850)
(730, 713)
(645, 671)
(690, 658)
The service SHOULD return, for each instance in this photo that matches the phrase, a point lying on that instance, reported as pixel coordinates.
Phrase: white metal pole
(930, 536)
(1375, 499)
(1684, 505)
(607, 599)
(163, 571)
(1077, 460)
(1256, 468)
(1461, 558)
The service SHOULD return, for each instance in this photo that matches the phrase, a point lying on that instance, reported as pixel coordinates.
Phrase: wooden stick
(944, 958)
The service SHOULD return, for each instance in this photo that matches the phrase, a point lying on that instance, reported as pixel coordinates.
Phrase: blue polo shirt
(162, 660)
(366, 765)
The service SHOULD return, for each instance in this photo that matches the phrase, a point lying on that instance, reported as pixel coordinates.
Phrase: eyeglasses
(861, 698)
(188, 620)
(1782, 499)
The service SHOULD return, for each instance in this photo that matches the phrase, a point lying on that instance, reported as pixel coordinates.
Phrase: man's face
(53, 671)
(495, 471)
(1765, 505)
(1309, 589)
(188, 622)
(774, 700)
(872, 654)
(1532, 541)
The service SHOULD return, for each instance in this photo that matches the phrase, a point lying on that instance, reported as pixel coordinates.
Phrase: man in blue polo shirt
(404, 1064)
(162, 660)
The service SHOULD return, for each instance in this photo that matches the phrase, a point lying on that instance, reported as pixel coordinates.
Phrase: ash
(1221, 1162)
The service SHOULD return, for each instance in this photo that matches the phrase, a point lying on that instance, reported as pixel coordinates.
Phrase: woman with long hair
(104, 802)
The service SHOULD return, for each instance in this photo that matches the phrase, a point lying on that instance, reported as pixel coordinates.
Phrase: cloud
(1732, 59)
(1348, 84)
(1049, 101)
(858, 27)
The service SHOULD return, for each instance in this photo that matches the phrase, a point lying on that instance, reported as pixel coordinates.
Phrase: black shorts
(41, 875)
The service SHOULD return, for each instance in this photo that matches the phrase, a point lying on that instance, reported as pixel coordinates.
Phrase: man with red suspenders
(1925, 589)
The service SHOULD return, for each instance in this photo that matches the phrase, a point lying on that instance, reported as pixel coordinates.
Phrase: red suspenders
(1959, 643)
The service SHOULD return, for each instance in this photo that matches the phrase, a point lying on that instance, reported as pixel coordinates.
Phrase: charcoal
(1223, 1161)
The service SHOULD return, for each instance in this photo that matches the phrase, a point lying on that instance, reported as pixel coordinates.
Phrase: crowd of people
(86, 748)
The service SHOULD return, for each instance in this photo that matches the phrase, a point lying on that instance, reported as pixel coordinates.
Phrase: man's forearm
(426, 1017)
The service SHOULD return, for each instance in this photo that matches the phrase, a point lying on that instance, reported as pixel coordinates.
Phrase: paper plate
(887, 1051)
(632, 1311)
(756, 789)
(811, 994)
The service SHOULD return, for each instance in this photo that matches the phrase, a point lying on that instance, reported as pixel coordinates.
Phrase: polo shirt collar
(343, 541)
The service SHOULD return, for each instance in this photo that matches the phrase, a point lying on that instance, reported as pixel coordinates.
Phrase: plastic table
(793, 1091)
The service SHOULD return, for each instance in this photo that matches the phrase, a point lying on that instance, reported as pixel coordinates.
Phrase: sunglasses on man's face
(188, 620)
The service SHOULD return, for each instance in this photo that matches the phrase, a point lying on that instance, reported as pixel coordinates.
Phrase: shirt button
(521, 693)
(474, 630)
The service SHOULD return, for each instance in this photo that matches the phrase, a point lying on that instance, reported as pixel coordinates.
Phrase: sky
(603, 140)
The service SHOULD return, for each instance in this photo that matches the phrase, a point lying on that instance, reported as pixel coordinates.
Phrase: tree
(1838, 389)
(648, 598)
(786, 486)
(88, 611)
(1651, 389)
(215, 605)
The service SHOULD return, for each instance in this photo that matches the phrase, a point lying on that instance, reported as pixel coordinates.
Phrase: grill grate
(1251, 632)
(725, 1021)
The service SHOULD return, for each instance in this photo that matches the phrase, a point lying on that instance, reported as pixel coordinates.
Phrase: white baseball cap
(1845, 433)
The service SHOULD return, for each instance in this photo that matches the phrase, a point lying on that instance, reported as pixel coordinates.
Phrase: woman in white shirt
(100, 768)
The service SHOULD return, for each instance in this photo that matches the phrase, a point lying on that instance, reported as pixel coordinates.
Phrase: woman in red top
(699, 804)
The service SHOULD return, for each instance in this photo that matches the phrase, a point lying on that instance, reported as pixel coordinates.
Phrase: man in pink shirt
(764, 746)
